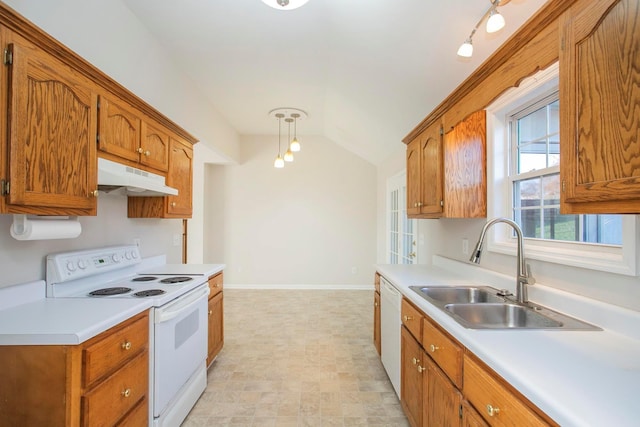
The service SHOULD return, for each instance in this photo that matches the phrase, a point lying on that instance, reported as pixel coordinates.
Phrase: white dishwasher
(390, 305)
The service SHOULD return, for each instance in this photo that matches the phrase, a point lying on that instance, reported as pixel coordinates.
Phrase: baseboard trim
(327, 287)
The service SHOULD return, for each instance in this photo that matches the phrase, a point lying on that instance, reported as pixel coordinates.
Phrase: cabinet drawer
(108, 353)
(118, 394)
(443, 350)
(139, 416)
(499, 405)
(215, 284)
(412, 319)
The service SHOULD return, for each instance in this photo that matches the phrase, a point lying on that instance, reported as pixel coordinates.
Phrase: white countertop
(206, 270)
(578, 378)
(64, 321)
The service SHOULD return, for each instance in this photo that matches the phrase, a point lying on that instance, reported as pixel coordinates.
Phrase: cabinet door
(431, 171)
(442, 399)
(376, 323)
(414, 180)
(181, 177)
(412, 368)
(154, 148)
(119, 129)
(216, 326)
(465, 172)
(599, 92)
(470, 417)
(52, 134)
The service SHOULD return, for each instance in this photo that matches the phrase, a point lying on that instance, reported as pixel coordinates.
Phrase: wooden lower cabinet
(377, 336)
(444, 384)
(216, 317)
(102, 382)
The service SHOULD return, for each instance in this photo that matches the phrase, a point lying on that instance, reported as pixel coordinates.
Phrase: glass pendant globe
(466, 49)
(288, 156)
(295, 145)
(285, 4)
(279, 163)
(495, 22)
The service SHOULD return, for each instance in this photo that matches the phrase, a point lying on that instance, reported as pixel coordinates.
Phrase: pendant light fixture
(279, 162)
(295, 144)
(288, 155)
(285, 4)
(290, 115)
(495, 22)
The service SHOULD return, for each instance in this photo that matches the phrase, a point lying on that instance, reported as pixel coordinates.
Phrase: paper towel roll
(44, 229)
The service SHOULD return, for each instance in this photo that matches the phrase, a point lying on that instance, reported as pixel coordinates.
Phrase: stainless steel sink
(481, 307)
(513, 316)
(458, 294)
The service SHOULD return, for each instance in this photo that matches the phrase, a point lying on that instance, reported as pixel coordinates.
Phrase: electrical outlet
(465, 246)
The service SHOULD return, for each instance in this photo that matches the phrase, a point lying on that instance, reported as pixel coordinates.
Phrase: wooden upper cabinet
(180, 176)
(52, 117)
(125, 133)
(424, 174)
(154, 147)
(599, 98)
(465, 171)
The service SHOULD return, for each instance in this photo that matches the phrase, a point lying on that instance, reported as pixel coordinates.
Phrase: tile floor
(297, 358)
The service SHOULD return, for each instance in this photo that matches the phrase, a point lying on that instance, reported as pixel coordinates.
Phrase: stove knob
(115, 258)
(134, 254)
(71, 266)
(82, 264)
(127, 255)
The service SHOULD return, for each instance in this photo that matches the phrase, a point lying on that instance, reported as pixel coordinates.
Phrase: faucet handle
(530, 279)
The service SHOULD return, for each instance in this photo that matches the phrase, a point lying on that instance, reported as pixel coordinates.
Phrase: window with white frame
(401, 234)
(523, 136)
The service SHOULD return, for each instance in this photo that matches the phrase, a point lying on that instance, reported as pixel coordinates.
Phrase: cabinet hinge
(8, 57)
(98, 138)
(442, 203)
(441, 130)
(460, 411)
(563, 185)
(4, 187)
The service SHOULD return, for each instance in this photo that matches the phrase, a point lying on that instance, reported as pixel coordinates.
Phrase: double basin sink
(483, 307)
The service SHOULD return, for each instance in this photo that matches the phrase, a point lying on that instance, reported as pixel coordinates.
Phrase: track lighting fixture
(495, 22)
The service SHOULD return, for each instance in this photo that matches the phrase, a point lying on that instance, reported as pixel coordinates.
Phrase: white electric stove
(178, 318)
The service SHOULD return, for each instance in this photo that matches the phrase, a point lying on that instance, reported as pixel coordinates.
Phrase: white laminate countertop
(64, 321)
(578, 378)
(206, 270)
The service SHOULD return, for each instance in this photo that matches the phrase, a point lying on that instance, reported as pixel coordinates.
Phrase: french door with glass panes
(402, 247)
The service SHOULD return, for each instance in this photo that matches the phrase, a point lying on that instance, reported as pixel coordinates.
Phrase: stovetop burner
(149, 293)
(144, 279)
(177, 279)
(105, 292)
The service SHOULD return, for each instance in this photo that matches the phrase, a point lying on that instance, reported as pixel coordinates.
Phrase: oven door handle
(180, 305)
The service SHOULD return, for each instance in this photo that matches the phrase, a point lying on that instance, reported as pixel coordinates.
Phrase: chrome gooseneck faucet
(524, 271)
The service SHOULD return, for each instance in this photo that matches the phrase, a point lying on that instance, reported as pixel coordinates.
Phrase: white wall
(108, 35)
(310, 223)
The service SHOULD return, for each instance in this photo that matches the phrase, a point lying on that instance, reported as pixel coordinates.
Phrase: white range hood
(121, 179)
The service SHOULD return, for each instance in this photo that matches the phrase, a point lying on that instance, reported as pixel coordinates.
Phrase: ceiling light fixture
(285, 4)
(495, 22)
(290, 115)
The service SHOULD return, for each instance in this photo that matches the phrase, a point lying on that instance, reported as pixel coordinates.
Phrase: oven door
(180, 344)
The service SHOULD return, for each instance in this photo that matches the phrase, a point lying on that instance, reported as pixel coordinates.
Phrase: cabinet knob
(419, 204)
(421, 369)
(147, 153)
(407, 318)
(94, 193)
(173, 204)
(140, 150)
(126, 393)
(492, 411)
(375, 304)
(415, 361)
(210, 312)
(126, 345)
(433, 348)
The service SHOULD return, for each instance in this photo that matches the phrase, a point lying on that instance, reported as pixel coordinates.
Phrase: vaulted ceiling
(365, 71)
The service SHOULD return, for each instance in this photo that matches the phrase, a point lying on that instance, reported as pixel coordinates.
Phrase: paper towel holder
(21, 228)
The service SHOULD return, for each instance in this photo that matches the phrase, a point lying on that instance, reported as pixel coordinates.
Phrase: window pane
(560, 227)
(533, 126)
(551, 189)
(533, 156)
(530, 223)
(527, 192)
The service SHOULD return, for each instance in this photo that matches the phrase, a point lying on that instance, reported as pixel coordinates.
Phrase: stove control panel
(63, 267)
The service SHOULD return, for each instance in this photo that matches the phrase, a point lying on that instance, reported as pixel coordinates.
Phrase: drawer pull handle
(126, 345)
(126, 393)
(210, 312)
(407, 318)
(492, 411)
(415, 361)
(421, 369)
(433, 348)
